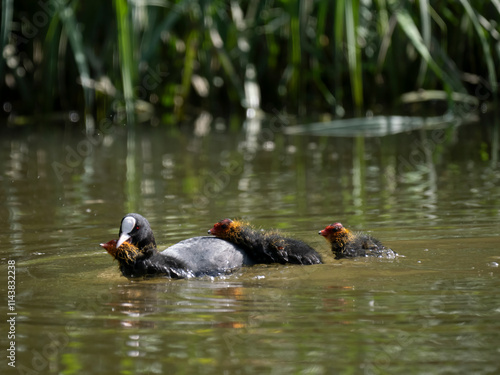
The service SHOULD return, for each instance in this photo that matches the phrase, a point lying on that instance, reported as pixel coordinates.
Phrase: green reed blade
(189, 64)
(68, 19)
(484, 44)
(126, 56)
(7, 13)
(354, 53)
(426, 36)
(496, 3)
(338, 34)
(175, 14)
(408, 26)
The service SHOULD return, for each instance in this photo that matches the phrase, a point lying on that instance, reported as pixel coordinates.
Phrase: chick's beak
(108, 245)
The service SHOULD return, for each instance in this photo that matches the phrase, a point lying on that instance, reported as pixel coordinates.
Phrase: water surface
(432, 195)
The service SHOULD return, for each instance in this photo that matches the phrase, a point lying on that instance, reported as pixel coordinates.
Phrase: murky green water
(434, 196)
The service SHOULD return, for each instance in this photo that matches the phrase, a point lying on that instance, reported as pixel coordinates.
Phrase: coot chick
(346, 244)
(137, 255)
(265, 247)
(126, 252)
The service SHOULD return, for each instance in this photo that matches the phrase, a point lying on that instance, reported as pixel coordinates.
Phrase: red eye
(137, 227)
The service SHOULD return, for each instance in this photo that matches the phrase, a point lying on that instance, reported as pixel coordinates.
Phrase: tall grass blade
(322, 18)
(496, 3)
(354, 53)
(338, 33)
(126, 56)
(383, 17)
(441, 24)
(408, 26)
(295, 53)
(225, 59)
(53, 82)
(484, 44)
(426, 36)
(7, 13)
(386, 27)
(164, 26)
(67, 17)
(189, 66)
(339, 23)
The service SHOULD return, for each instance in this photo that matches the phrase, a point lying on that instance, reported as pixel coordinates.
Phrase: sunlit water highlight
(434, 200)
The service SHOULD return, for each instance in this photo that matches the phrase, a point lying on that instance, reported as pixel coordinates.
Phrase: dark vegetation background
(81, 60)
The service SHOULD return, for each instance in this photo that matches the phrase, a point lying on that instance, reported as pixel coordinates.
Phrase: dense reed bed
(305, 57)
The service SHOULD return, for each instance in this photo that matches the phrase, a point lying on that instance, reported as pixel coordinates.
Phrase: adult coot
(137, 255)
(265, 247)
(347, 244)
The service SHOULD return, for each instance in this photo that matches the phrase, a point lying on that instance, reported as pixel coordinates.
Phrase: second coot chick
(265, 247)
(348, 244)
